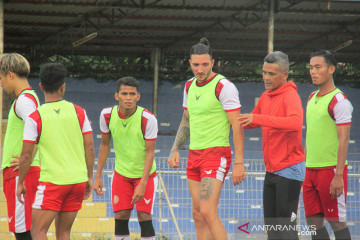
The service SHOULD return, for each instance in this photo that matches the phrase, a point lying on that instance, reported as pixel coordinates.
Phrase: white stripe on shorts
(156, 183)
(341, 205)
(39, 197)
(20, 225)
(221, 170)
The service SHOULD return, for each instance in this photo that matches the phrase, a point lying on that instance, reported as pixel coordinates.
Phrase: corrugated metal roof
(235, 27)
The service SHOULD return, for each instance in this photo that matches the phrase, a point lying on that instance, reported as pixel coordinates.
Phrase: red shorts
(211, 162)
(123, 191)
(20, 215)
(316, 196)
(60, 198)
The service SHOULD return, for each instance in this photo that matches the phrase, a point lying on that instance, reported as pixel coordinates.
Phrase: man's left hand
(138, 193)
(337, 186)
(15, 162)
(238, 174)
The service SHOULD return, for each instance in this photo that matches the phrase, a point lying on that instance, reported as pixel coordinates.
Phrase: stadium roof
(237, 29)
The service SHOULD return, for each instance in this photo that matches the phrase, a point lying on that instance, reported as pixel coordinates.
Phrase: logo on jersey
(116, 199)
(124, 124)
(197, 97)
(10, 219)
(147, 201)
(57, 111)
(208, 172)
(316, 99)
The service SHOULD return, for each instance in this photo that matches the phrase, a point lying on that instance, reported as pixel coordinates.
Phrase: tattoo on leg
(206, 187)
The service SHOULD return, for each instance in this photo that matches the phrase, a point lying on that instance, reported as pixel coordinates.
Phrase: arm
(182, 135)
(149, 158)
(24, 165)
(89, 157)
(238, 138)
(246, 119)
(337, 184)
(103, 155)
(292, 121)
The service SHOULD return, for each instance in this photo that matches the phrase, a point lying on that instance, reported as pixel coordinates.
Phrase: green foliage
(174, 69)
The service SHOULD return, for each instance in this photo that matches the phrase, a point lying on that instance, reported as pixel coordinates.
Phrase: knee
(143, 216)
(337, 226)
(36, 231)
(207, 215)
(316, 220)
(196, 214)
(124, 214)
(286, 216)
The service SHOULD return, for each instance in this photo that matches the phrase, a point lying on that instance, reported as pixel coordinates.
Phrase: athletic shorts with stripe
(19, 215)
(60, 198)
(210, 162)
(123, 190)
(317, 197)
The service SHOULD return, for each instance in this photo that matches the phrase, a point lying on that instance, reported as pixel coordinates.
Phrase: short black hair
(127, 81)
(52, 76)
(202, 47)
(329, 57)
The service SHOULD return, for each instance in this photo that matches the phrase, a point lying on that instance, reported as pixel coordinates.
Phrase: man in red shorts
(211, 104)
(134, 131)
(328, 118)
(14, 71)
(63, 135)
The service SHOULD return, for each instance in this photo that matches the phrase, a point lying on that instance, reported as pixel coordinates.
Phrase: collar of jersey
(205, 82)
(122, 116)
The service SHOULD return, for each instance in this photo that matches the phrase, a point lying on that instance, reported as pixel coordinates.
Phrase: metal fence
(172, 215)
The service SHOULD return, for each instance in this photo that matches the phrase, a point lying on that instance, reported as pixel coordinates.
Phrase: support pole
(271, 26)
(170, 207)
(160, 207)
(1, 52)
(156, 58)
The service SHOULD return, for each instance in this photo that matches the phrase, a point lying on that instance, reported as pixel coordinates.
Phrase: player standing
(134, 132)
(14, 72)
(211, 104)
(63, 135)
(328, 119)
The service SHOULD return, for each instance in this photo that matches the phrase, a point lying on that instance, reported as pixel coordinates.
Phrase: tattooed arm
(182, 135)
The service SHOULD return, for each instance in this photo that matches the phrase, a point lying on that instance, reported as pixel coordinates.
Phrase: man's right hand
(98, 186)
(89, 188)
(173, 159)
(21, 192)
